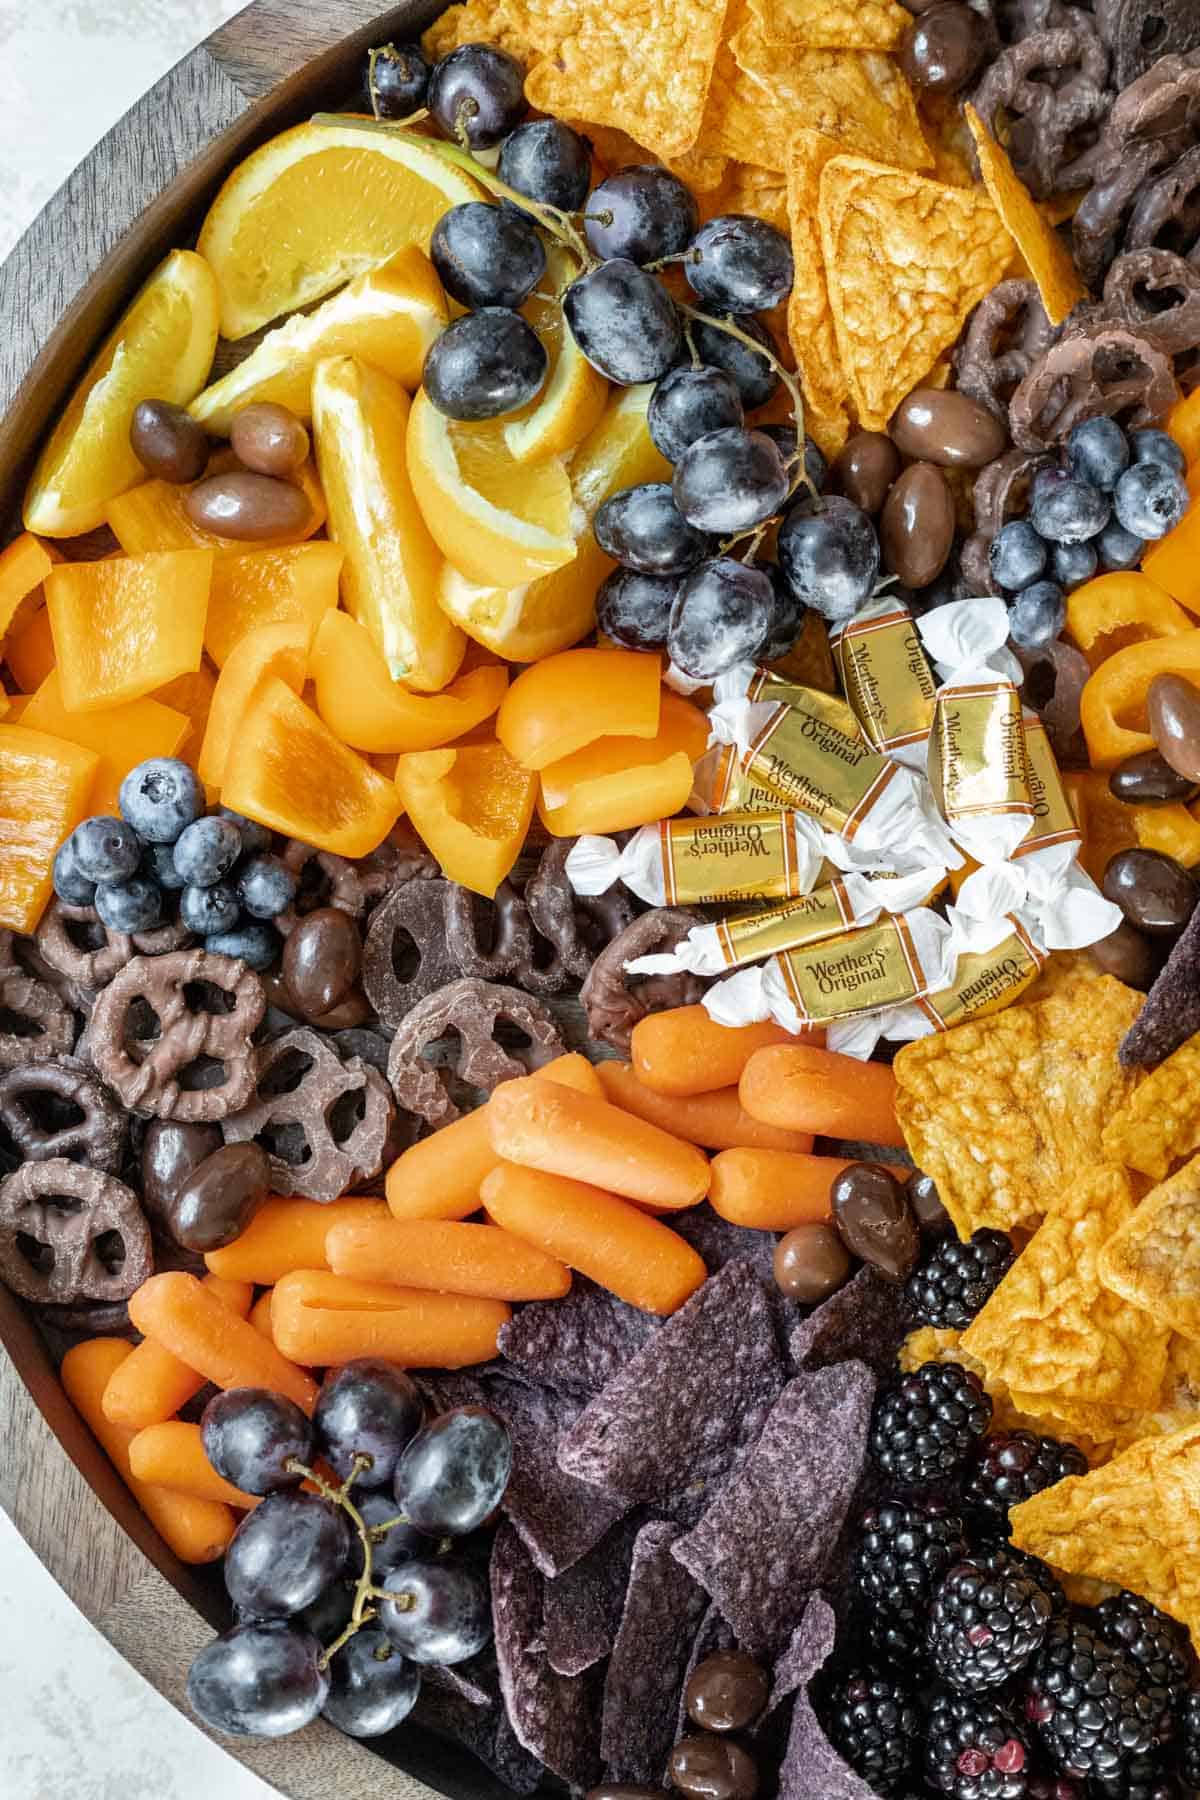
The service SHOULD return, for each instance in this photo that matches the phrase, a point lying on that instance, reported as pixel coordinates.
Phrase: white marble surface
(76, 1722)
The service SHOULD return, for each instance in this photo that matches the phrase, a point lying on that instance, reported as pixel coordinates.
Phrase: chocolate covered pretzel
(69, 1233)
(473, 1011)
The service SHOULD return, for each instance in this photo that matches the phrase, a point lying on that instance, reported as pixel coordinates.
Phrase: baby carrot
(260, 1313)
(568, 1133)
(152, 1384)
(440, 1177)
(285, 1235)
(198, 1531)
(172, 1456)
(772, 1189)
(716, 1121)
(683, 1051)
(448, 1257)
(806, 1089)
(324, 1319)
(622, 1248)
(184, 1317)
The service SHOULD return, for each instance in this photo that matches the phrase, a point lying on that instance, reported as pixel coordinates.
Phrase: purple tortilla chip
(866, 1320)
(475, 1681)
(718, 1242)
(812, 1766)
(681, 1415)
(578, 1343)
(1171, 1010)
(809, 1646)
(663, 1609)
(486, 1734)
(714, 1634)
(583, 1606)
(762, 1546)
(554, 1716)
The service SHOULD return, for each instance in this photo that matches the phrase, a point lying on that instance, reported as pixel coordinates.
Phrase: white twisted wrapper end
(594, 864)
(970, 635)
(1058, 901)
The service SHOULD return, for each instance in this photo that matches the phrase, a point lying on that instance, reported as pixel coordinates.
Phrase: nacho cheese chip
(1050, 265)
(906, 260)
(810, 318)
(1160, 1120)
(832, 24)
(1154, 1260)
(1051, 1327)
(1004, 1112)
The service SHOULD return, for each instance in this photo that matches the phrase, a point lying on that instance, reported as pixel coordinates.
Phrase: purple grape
(624, 321)
(788, 618)
(546, 161)
(477, 93)
(756, 380)
(687, 404)
(441, 1612)
(738, 263)
(400, 1544)
(367, 1408)
(642, 213)
(829, 552)
(487, 255)
(730, 481)
(643, 528)
(635, 609)
(723, 614)
(330, 1612)
(454, 1472)
(285, 1553)
(250, 1435)
(261, 1680)
(397, 80)
(487, 363)
(372, 1688)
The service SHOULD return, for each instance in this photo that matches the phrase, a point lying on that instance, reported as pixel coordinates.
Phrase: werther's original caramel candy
(683, 862)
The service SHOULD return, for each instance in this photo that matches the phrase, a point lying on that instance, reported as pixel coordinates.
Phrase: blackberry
(1189, 1738)
(1000, 1558)
(1013, 1466)
(953, 1280)
(1087, 1702)
(1157, 1645)
(1142, 1778)
(1048, 1786)
(903, 1554)
(973, 1750)
(924, 1427)
(875, 1724)
(985, 1625)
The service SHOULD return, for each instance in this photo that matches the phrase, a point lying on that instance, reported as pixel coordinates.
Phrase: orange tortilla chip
(832, 24)
(1049, 263)
(745, 188)
(1153, 1261)
(811, 328)
(1160, 1121)
(906, 260)
(1051, 1327)
(478, 21)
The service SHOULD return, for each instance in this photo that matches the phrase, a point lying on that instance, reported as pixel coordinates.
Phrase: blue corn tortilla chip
(582, 1606)
(714, 1634)
(486, 1734)
(809, 1646)
(578, 1343)
(555, 1717)
(663, 1608)
(763, 1545)
(811, 1766)
(1170, 1013)
(718, 1242)
(866, 1320)
(683, 1412)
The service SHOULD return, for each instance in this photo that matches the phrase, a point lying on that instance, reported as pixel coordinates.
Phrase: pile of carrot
(574, 1168)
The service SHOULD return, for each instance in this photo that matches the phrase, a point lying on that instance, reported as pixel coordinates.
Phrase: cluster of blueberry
(1116, 493)
(164, 844)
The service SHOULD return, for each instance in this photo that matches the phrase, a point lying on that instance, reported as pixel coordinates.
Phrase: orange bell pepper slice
(29, 650)
(472, 806)
(124, 628)
(1106, 614)
(264, 587)
(280, 650)
(566, 701)
(1183, 423)
(291, 774)
(24, 566)
(1112, 707)
(1174, 562)
(121, 736)
(44, 788)
(358, 699)
(617, 783)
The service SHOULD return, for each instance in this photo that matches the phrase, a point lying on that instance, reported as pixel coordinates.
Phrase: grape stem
(785, 375)
(552, 219)
(364, 1591)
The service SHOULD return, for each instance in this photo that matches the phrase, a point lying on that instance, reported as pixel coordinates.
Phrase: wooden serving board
(141, 191)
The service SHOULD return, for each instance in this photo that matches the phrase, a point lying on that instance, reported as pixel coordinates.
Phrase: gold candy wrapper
(888, 680)
(978, 766)
(721, 785)
(814, 757)
(695, 861)
(985, 981)
(1053, 821)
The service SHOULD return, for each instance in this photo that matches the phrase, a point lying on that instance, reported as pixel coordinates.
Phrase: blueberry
(1071, 512)
(624, 321)
(258, 946)
(158, 862)
(1119, 549)
(739, 263)
(160, 797)
(815, 466)
(1017, 555)
(477, 94)
(133, 905)
(643, 528)
(1073, 564)
(207, 850)
(487, 255)
(545, 160)
(1037, 615)
(485, 364)
(635, 609)
(1150, 500)
(254, 836)
(1152, 446)
(757, 380)
(829, 552)
(723, 614)
(71, 887)
(730, 481)
(106, 849)
(1098, 451)
(1047, 481)
(210, 909)
(265, 886)
(688, 403)
(789, 615)
(642, 213)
